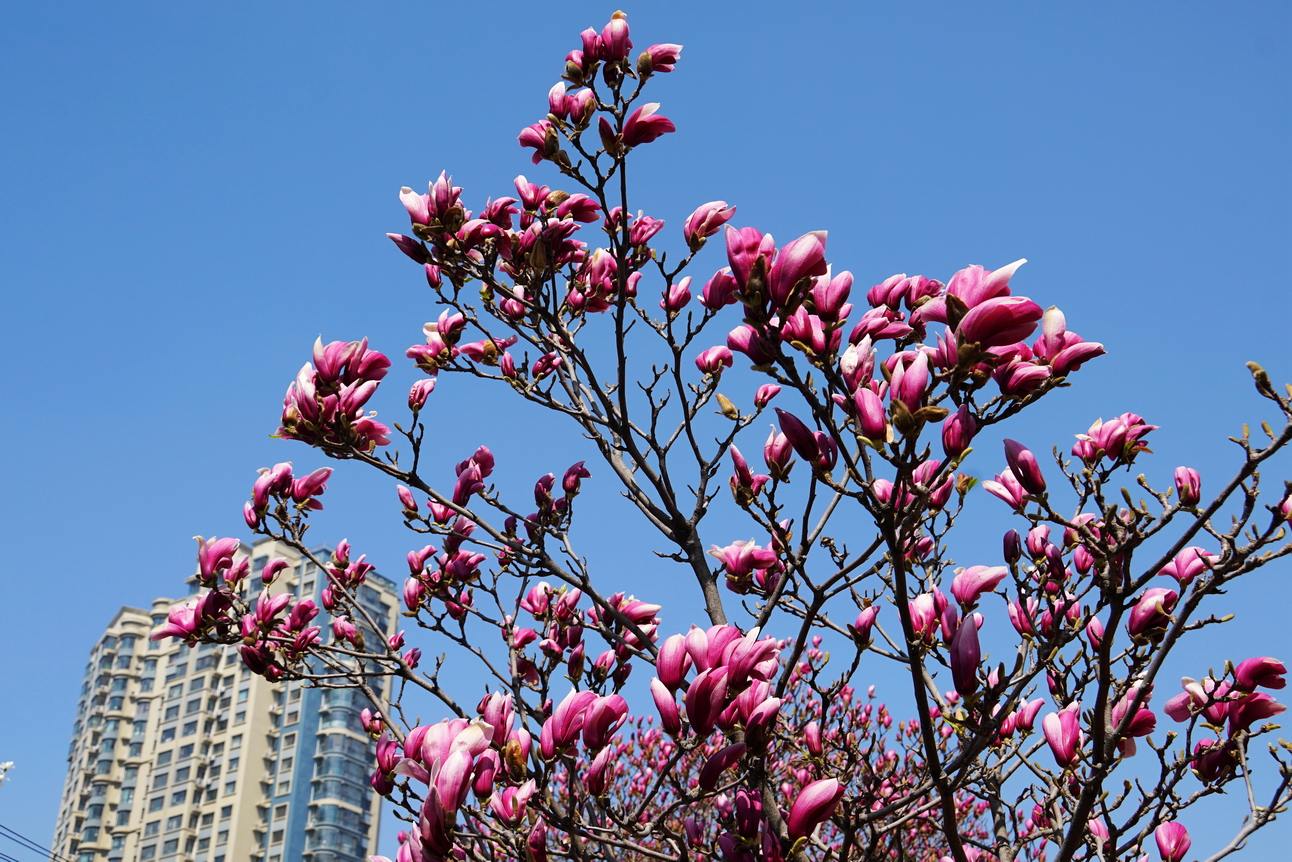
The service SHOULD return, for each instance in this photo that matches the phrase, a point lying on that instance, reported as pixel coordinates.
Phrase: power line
(27, 843)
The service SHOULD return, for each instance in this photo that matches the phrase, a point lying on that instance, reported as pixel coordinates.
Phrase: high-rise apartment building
(184, 755)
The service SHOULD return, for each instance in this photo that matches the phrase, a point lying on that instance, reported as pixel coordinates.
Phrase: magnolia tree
(760, 745)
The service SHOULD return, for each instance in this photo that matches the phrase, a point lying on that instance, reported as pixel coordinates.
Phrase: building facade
(183, 755)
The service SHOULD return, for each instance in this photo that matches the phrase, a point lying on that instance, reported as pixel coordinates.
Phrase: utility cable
(27, 843)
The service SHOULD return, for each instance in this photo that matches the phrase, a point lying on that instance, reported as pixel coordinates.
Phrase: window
(181, 774)
(174, 822)
(280, 812)
(242, 694)
(104, 767)
(178, 798)
(208, 819)
(156, 803)
(175, 690)
(285, 765)
(284, 788)
(171, 712)
(170, 846)
(136, 750)
(240, 716)
(168, 734)
(139, 728)
(119, 842)
(190, 728)
(277, 837)
(116, 703)
(123, 662)
(142, 707)
(293, 717)
(289, 740)
(127, 796)
(90, 834)
(123, 818)
(149, 852)
(233, 763)
(229, 787)
(150, 664)
(152, 828)
(205, 661)
(226, 812)
(119, 684)
(95, 812)
(222, 837)
(160, 780)
(203, 843)
(218, 750)
(128, 641)
(193, 706)
(163, 758)
(146, 685)
(236, 742)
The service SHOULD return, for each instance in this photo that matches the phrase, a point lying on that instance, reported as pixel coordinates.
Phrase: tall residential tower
(183, 755)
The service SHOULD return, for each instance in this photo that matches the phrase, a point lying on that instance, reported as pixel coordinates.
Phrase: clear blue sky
(190, 193)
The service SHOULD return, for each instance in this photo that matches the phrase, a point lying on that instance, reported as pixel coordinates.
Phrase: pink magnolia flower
(765, 394)
(509, 805)
(707, 220)
(535, 136)
(1188, 564)
(1151, 611)
(1063, 734)
(215, 556)
(562, 729)
(965, 658)
(969, 585)
(999, 321)
(1251, 709)
(1263, 672)
(604, 716)
(1024, 466)
(814, 805)
(1172, 841)
(720, 762)
(1142, 722)
(1063, 350)
(659, 58)
(419, 392)
(797, 260)
(926, 613)
(669, 716)
(713, 360)
(1188, 486)
(704, 699)
(644, 125)
(957, 432)
(719, 291)
(1007, 488)
(872, 419)
(909, 382)
(741, 558)
(864, 623)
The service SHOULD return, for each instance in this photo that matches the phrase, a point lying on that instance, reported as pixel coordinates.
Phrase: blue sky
(192, 193)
